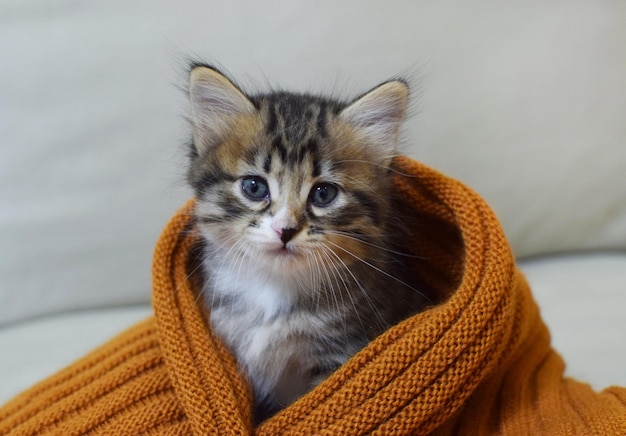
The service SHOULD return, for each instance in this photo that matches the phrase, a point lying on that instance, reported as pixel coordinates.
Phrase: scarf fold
(478, 362)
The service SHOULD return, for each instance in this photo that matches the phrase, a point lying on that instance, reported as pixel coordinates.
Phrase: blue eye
(255, 188)
(323, 194)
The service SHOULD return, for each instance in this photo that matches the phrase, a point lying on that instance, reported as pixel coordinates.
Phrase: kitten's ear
(379, 114)
(215, 103)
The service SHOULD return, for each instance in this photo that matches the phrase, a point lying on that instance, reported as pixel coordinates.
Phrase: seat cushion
(582, 299)
(523, 101)
(40, 347)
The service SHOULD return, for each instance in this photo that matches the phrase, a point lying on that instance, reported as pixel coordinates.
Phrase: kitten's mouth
(281, 255)
(284, 252)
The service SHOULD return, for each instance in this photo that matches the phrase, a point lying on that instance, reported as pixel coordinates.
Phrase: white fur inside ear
(215, 101)
(379, 114)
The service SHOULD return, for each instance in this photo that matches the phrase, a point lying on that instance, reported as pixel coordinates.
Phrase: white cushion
(524, 101)
(38, 348)
(581, 298)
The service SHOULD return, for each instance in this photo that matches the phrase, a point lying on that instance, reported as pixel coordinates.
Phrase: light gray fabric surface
(523, 101)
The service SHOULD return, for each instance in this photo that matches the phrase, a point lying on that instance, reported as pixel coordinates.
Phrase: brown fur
(296, 286)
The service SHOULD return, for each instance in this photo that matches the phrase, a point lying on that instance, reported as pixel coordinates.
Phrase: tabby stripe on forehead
(301, 154)
(317, 167)
(321, 121)
(312, 146)
(250, 156)
(267, 164)
(292, 108)
(277, 144)
(272, 120)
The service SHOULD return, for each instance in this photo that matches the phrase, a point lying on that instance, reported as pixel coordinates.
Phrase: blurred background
(523, 101)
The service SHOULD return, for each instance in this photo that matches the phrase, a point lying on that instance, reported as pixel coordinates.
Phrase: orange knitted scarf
(480, 362)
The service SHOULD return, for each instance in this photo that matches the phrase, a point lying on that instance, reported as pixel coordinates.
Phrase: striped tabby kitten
(293, 204)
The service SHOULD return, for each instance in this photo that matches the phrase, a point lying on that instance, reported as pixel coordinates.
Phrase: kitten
(293, 205)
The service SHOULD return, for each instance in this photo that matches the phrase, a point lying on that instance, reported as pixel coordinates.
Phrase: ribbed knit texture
(479, 363)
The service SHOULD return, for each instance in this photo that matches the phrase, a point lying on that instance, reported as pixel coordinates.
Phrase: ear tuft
(215, 102)
(379, 114)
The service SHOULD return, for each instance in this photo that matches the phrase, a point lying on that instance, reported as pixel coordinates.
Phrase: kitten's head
(292, 182)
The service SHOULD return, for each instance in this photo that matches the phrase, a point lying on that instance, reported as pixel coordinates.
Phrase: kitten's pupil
(255, 188)
(324, 194)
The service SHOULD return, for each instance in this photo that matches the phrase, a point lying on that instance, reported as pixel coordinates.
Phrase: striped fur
(301, 269)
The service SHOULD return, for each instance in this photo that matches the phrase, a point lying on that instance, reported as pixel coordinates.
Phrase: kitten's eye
(255, 188)
(323, 194)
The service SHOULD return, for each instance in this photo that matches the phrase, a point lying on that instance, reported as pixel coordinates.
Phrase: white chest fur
(260, 325)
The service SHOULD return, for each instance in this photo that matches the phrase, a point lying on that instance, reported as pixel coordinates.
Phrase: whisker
(371, 244)
(315, 276)
(380, 270)
(360, 286)
(332, 293)
(337, 273)
(227, 257)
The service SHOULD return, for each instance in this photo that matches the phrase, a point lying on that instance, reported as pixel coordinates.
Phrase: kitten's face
(291, 184)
